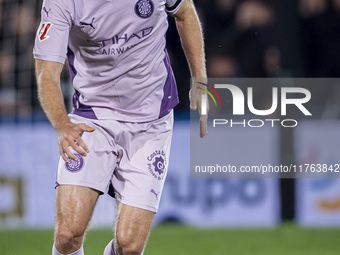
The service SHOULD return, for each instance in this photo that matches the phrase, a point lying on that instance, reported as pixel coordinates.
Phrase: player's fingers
(65, 146)
(203, 126)
(65, 151)
(192, 100)
(83, 145)
(86, 128)
(62, 154)
(69, 154)
(76, 147)
(193, 105)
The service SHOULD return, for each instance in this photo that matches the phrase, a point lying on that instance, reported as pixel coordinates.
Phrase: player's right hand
(196, 101)
(69, 135)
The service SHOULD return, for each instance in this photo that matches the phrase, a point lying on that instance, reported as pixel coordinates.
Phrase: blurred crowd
(244, 38)
(18, 22)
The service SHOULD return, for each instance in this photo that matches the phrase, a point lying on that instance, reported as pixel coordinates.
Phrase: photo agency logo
(295, 96)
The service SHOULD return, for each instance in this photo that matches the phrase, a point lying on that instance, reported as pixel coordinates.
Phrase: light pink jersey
(116, 55)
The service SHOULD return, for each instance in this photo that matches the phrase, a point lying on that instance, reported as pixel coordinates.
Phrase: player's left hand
(199, 100)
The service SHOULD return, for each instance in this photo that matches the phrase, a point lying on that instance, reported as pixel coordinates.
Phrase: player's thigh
(139, 177)
(74, 207)
(134, 225)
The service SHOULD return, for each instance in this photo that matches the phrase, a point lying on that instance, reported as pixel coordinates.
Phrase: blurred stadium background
(244, 38)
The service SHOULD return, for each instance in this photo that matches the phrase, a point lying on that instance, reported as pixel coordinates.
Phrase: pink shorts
(132, 158)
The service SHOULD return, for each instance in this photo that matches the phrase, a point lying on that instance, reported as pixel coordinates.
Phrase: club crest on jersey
(157, 164)
(144, 8)
(75, 166)
(43, 31)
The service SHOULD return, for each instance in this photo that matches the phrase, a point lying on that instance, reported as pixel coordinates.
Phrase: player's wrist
(61, 124)
(199, 79)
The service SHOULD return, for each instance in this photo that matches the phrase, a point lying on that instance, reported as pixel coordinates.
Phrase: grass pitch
(183, 240)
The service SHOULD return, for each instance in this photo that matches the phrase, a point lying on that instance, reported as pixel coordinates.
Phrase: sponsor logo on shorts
(157, 164)
(75, 166)
(144, 8)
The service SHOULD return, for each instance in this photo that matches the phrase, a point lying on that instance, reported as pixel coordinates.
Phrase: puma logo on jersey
(43, 31)
(88, 24)
(46, 11)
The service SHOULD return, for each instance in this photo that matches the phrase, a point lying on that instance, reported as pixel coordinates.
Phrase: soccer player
(119, 132)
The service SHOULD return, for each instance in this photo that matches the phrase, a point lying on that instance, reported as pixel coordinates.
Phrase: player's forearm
(52, 104)
(51, 98)
(191, 35)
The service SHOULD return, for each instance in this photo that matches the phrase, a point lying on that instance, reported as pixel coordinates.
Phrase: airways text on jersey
(105, 45)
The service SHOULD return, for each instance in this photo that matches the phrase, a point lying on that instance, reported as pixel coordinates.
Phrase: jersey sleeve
(51, 40)
(172, 6)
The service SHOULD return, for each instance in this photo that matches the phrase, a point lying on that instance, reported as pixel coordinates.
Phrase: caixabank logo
(243, 105)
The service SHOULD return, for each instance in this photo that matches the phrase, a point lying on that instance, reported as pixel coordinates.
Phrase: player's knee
(64, 238)
(68, 239)
(128, 246)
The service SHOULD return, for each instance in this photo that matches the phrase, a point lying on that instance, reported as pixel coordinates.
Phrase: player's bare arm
(52, 102)
(191, 35)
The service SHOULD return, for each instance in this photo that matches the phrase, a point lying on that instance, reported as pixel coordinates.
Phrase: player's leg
(132, 229)
(80, 183)
(74, 207)
(138, 181)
